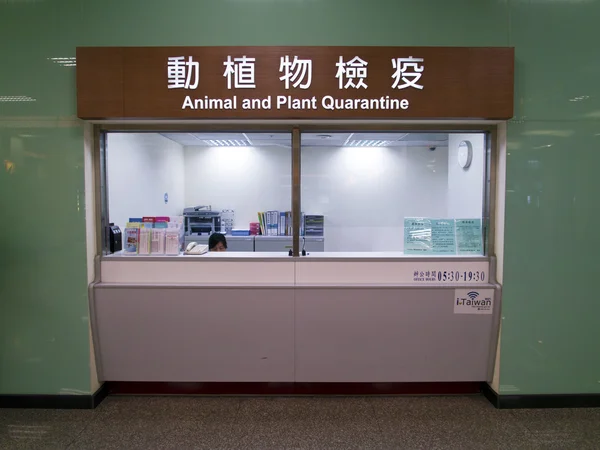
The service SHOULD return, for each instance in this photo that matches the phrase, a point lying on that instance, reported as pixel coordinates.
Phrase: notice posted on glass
(430, 236)
(469, 236)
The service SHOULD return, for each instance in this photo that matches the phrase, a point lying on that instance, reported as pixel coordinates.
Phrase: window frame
(296, 128)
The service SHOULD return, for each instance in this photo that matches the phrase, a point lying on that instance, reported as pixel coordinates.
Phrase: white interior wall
(365, 193)
(245, 179)
(141, 168)
(466, 186)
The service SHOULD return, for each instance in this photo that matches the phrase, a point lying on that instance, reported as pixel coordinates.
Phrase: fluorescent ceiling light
(67, 61)
(227, 143)
(16, 98)
(367, 143)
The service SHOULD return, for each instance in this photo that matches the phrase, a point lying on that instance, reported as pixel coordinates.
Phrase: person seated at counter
(217, 243)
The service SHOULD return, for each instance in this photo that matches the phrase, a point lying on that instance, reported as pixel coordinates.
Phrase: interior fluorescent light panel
(67, 61)
(368, 143)
(226, 143)
(16, 98)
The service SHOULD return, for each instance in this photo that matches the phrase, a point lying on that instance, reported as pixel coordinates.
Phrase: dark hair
(215, 238)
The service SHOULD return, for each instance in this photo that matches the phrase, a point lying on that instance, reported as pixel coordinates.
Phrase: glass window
(236, 184)
(410, 193)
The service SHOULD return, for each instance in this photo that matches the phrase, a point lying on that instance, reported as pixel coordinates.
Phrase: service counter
(265, 317)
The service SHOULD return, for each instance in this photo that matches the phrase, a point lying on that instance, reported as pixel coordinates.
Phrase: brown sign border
(459, 83)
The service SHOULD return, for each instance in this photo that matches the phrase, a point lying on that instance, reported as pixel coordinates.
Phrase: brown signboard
(295, 83)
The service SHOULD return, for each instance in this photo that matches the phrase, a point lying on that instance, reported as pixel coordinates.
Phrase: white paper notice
(145, 241)
(172, 242)
(158, 242)
(473, 301)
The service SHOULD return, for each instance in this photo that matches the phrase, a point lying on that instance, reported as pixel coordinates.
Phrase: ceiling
(310, 139)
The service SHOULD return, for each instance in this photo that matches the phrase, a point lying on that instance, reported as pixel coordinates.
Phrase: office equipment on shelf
(201, 220)
(280, 223)
(227, 220)
(314, 225)
(193, 248)
(274, 223)
(237, 232)
(115, 238)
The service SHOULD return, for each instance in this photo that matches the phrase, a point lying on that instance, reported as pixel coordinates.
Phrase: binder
(260, 224)
(275, 223)
(274, 217)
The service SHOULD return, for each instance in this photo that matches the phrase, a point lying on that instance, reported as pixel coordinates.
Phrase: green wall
(550, 335)
(549, 339)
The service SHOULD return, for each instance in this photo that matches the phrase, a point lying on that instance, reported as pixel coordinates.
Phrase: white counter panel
(197, 271)
(194, 334)
(336, 269)
(426, 272)
(396, 335)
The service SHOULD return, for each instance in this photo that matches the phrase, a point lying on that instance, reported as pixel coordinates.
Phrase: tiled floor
(299, 423)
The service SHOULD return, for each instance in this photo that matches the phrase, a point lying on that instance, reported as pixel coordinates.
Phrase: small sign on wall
(473, 301)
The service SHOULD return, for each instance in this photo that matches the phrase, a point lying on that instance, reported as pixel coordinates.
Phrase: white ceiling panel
(427, 137)
(185, 139)
(270, 136)
(379, 136)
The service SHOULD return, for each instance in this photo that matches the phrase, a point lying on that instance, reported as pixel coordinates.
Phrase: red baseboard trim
(260, 389)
